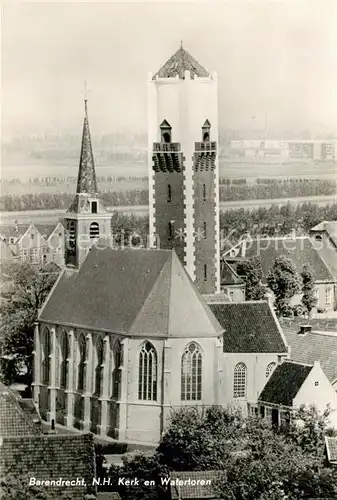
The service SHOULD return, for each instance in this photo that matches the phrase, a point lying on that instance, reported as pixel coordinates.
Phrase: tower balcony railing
(205, 146)
(163, 147)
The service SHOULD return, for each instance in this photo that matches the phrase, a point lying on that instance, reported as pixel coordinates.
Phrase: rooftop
(131, 291)
(317, 345)
(18, 417)
(300, 250)
(329, 227)
(49, 457)
(250, 327)
(194, 491)
(284, 383)
(180, 62)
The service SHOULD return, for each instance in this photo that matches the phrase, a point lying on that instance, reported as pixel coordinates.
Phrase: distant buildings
(277, 150)
(33, 243)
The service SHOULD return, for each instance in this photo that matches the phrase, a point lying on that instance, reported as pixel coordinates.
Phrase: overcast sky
(273, 57)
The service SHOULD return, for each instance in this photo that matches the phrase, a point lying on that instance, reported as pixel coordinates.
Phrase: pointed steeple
(86, 181)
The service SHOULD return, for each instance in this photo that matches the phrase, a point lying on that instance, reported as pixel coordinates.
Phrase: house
(314, 342)
(300, 250)
(331, 450)
(25, 451)
(194, 485)
(324, 239)
(33, 243)
(54, 236)
(292, 385)
(25, 242)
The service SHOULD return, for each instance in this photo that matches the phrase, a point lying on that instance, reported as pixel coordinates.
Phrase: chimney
(304, 329)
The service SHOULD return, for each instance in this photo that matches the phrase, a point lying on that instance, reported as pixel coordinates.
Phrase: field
(134, 173)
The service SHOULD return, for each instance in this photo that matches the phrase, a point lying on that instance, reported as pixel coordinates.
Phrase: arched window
(204, 192)
(116, 374)
(205, 272)
(64, 360)
(240, 381)
(46, 357)
(191, 373)
(147, 380)
(270, 369)
(167, 137)
(99, 367)
(206, 137)
(94, 230)
(81, 364)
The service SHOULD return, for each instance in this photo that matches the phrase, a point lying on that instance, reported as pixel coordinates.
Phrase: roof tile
(249, 327)
(284, 383)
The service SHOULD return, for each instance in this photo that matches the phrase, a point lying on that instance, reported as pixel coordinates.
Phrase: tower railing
(205, 146)
(163, 147)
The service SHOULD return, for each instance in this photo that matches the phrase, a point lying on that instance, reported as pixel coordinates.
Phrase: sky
(274, 59)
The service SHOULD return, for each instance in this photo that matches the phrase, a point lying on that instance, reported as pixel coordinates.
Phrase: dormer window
(165, 132)
(206, 131)
(94, 207)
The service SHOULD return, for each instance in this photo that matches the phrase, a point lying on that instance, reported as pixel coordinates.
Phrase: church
(128, 334)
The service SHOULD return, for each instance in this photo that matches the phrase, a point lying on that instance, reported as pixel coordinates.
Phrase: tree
(284, 282)
(309, 298)
(251, 272)
(19, 311)
(199, 441)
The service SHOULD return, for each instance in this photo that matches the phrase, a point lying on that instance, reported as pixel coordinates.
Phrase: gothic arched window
(94, 230)
(64, 360)
(46, 350)
(99, 367)
(116, 374)
(270, 369)
(191, 373)
(147, 379)
(81, 364)
(240, 381)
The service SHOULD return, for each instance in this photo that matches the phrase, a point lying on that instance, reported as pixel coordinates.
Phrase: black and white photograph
(168, 250)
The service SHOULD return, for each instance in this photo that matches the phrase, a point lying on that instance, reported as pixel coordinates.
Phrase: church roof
(180, 62)
(284, 383)
(131, 291)
(250, 327)
(86, 181)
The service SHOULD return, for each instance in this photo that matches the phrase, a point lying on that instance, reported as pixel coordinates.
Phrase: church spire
(86, 181)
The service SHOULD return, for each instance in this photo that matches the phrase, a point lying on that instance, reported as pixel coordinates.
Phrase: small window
(316, 383)
(32, 236)
(204, 192)
(318, 237)
(205, 272)
(11, 240)
(166, 137)
(205, 229)
(270, 369)
(169, 193)
(94, 207)
(206, 137)
(170, 230)
(94, 230)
